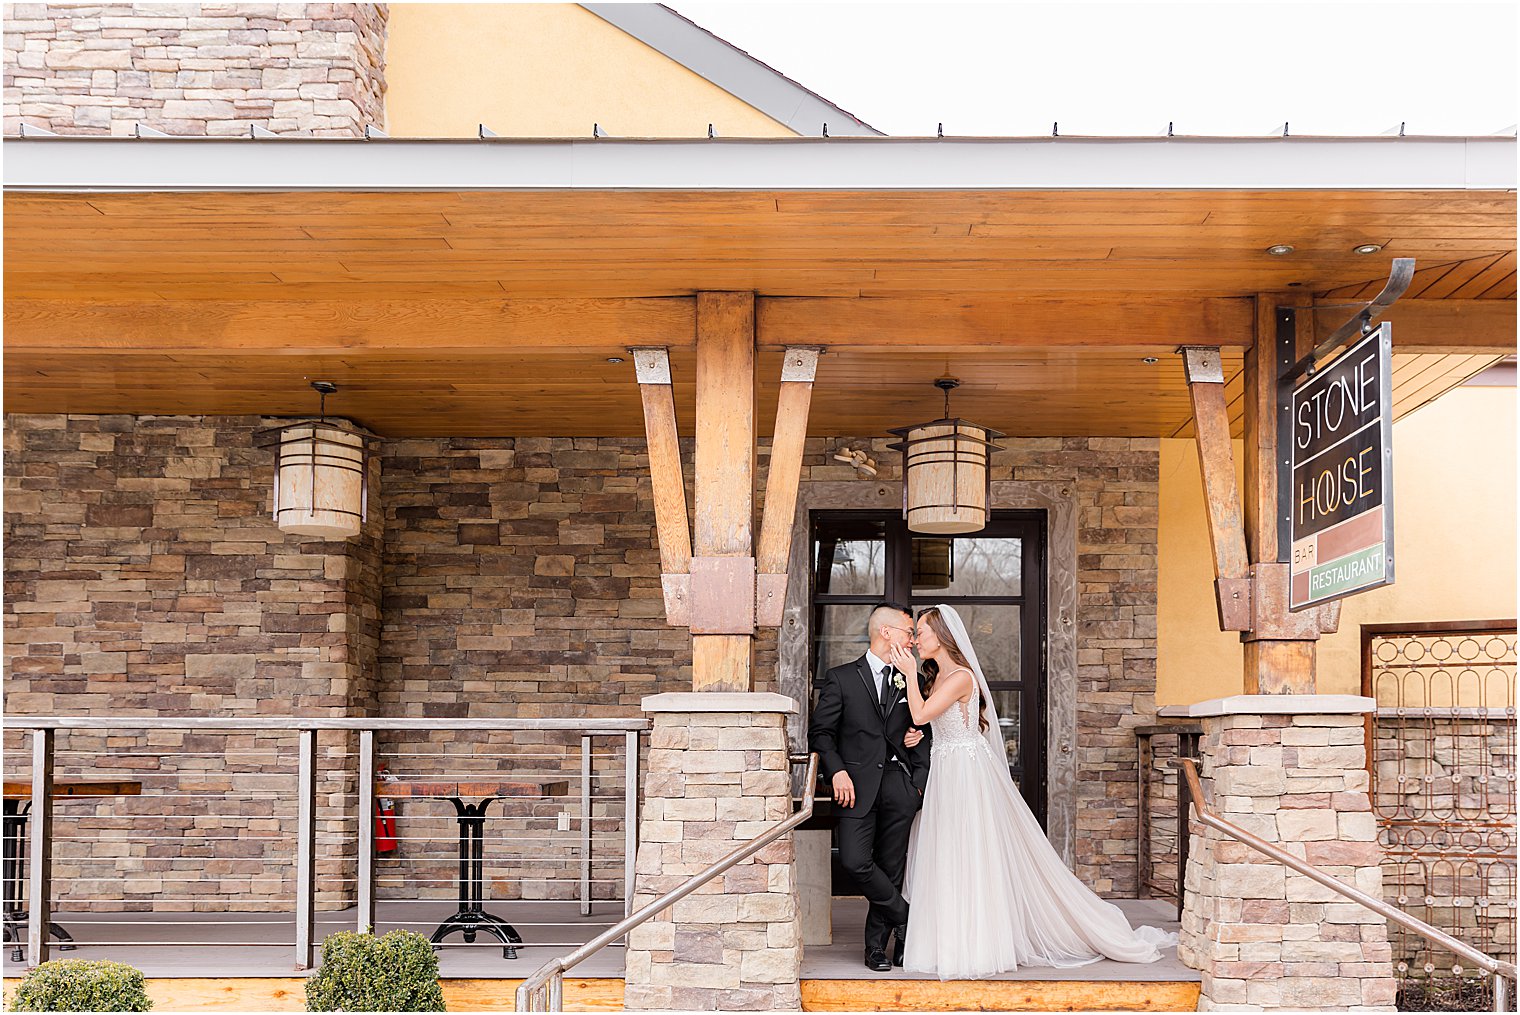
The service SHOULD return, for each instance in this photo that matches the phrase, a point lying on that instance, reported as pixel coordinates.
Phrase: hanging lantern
(319, 476)
(933, 563)
(947, 484)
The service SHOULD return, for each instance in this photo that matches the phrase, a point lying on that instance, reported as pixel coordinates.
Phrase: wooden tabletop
(473, 788)
(23, 790)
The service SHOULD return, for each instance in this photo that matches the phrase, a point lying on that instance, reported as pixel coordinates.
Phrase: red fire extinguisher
(385, 815)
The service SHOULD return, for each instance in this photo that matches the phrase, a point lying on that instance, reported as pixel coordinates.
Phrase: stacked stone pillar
(1290, 769)
(718, 775)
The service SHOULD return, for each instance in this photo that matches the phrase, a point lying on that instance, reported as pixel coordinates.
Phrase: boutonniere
(898, 681)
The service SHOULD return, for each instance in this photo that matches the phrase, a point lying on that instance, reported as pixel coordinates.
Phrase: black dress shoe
(899, 945)
(876, 961)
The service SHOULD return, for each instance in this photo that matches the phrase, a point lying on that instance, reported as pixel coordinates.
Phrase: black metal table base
(13, 840)
(472, 918)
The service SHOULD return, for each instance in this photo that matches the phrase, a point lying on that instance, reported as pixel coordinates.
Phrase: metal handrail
(1500, 969)
(296, 723)
(44, 730)
(544, 989)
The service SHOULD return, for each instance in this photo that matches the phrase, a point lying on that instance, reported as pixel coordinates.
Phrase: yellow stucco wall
(1454, 547)
(544, 70)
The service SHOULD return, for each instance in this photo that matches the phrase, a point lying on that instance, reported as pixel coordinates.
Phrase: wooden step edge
(999, 995)
(288, 993)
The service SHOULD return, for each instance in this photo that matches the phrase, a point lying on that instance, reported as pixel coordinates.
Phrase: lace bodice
(957, 727)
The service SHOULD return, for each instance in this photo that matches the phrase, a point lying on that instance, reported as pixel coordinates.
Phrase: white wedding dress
(988, 893)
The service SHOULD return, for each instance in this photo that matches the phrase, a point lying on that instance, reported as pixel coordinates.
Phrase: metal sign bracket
(1399, 278)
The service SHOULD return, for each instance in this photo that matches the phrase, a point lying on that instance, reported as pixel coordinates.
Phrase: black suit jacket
(851, 734)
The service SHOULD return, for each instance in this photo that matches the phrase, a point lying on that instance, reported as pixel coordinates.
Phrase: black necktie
(886, 686)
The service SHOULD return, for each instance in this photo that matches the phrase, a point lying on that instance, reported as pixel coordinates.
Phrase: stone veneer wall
(315, 69)
(143, 577)
(1264, 937)
(521, 578)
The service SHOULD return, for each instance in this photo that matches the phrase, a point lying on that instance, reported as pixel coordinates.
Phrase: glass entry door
(995, 579)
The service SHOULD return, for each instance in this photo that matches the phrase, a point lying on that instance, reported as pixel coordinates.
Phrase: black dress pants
(873, 847)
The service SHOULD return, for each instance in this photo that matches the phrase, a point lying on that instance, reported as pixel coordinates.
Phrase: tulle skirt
(988, 893)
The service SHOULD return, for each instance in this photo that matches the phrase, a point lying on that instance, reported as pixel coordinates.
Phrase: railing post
(306, 843)
(1143, 864)
(630, 816)
(366, 872)
(586, 824)
(1501, 992)
(40, 882)
(1187, 747)
(557, 992)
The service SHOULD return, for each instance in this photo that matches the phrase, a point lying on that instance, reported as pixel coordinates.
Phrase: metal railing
(1152, 831)
(1498, 969)
(544, 990)
(39, 835)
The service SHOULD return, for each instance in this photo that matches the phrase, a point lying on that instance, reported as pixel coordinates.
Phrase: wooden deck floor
(206, 975)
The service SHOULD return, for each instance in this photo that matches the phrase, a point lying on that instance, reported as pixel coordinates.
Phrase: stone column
(718, 776)
(1292, 770)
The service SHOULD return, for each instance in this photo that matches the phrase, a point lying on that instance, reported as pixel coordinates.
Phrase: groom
(878, 769)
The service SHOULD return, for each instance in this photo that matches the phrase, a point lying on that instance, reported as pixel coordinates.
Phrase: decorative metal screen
(1441, 753)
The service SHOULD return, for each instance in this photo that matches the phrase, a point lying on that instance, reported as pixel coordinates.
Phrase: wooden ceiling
(495, 313)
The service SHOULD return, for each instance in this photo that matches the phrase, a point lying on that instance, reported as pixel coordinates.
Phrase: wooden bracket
(799, 367)
(722, 595)
(669, 484)
(1216, 460)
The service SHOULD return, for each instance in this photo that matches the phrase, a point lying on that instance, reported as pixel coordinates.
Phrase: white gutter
(851, 163)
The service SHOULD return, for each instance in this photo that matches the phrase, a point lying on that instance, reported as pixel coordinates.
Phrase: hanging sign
(1341, 492)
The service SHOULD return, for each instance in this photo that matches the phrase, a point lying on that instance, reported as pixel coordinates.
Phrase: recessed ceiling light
(614, 359)
(1150, 359)
(1367, 248)
(1279, 249)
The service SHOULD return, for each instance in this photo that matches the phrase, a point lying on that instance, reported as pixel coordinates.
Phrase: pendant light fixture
(947, 484)
(319, 476)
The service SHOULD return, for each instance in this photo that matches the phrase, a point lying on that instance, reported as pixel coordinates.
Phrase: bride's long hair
(931, 668)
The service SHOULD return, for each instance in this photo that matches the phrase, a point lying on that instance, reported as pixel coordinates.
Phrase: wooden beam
(999, 322)
(1260, 397)
(725, 476)
(668, 482)
(1279, 656)
(1216, 460)
(290, 327)
(1448, 326)
(799, 366)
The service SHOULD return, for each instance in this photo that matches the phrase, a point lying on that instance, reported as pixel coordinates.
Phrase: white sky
(1128, 68)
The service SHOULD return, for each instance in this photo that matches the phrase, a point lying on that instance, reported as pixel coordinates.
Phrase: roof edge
(74, 163)
(730, 68)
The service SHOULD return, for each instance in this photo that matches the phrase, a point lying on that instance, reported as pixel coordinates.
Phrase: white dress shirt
(876, 667)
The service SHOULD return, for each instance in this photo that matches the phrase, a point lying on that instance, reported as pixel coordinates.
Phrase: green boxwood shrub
(82, 985)
(360, 972)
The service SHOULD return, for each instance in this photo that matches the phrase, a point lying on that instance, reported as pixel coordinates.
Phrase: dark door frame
(1030, 525)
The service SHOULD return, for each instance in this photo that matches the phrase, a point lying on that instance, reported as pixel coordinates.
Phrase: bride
(988, 892)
